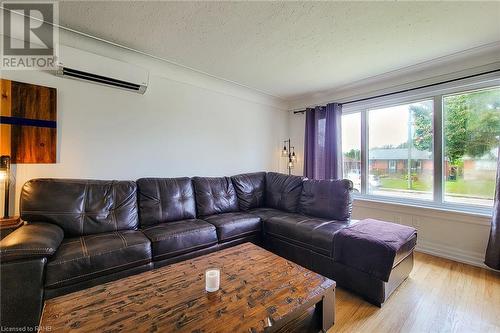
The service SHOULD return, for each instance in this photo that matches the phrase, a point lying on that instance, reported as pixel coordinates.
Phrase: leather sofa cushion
(234, 225)
(81, 207)
(84, 258)
(214, 195)
(164, 200)
(283, 191)
(250, 188)
(315, 234)
(331, 199)
(265, 213)
(36, 240)
(176, 238)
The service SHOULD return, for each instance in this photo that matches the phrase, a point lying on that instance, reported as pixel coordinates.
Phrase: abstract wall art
(28, 122)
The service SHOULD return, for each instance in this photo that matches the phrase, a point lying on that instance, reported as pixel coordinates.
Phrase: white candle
(212, 279)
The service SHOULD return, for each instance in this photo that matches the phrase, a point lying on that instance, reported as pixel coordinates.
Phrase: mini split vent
(80, 65)
(76, 74)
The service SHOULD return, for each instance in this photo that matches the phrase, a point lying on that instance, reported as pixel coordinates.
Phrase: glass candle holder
(212, 279)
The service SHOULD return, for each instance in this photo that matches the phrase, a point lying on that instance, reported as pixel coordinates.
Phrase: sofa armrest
(36, 240)
(21, 287)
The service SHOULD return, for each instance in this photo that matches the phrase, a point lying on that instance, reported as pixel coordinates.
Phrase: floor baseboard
(452, 253)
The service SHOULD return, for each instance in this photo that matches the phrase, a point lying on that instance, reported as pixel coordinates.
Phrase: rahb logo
(30, 35)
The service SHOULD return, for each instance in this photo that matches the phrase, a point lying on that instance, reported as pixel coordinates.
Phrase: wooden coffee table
(260, 291)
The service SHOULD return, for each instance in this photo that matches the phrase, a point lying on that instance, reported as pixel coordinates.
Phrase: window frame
(436, 94)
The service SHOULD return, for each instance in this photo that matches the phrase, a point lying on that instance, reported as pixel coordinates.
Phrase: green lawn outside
(402, 184)
(476, 188)
(480, 188)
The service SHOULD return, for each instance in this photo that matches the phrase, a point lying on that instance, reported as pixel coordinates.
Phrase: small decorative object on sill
(212, 279)
(289, 152)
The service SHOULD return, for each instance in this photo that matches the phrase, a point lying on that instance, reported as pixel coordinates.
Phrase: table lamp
(5, 176)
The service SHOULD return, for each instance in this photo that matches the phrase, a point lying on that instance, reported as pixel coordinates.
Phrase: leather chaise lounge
(81, 233)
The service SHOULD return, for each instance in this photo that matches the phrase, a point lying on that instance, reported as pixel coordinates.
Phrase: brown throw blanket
(371, 246)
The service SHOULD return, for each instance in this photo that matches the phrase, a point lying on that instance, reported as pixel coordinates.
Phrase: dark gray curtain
(322, 142)
(492, 258)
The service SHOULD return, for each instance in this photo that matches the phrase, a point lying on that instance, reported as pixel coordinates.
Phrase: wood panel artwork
(260, 291)
(28, 122)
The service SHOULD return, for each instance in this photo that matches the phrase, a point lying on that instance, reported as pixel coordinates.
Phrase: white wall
(454, 235)
(186, 124)
(296, 124)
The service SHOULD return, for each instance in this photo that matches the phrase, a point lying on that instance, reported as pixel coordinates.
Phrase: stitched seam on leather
(296, 241)
(126, 200)
(17, 255)
(95, 272)
(124, 241)
(184, 249)
(70, 242)
(242, 234)
(33, 249)
(84, 247)
(113, 209)
(158, 193)
(94, 236)
(178, 188)
(23, 254)
(230, 221)
(210, 194)
(302, 221)
(87, 237)
(61, 213)
(161, 226)
(82, 218)
(92, 255)
(181, 234)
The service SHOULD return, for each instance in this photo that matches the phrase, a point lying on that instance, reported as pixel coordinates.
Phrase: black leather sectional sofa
(80, 233)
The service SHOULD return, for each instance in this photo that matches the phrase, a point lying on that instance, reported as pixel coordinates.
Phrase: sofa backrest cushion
(330, 199)
(214, 195)
(165, 200)
(81, 207)
(283, 191)
(250, 188)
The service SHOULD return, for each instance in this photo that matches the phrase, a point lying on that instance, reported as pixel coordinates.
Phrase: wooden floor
(439, 296)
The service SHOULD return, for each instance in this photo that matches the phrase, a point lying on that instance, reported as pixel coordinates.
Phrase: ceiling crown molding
(471, 61)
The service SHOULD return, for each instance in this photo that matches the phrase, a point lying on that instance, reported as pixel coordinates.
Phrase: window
(400, 137)
(392, 166)
(436, 147)
(351, 149)
(471, 137)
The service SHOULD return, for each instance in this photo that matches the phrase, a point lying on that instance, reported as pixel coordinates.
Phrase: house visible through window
(397, 141)
(403, 159)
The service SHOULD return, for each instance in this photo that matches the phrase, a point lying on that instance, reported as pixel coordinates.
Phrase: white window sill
(474, 215)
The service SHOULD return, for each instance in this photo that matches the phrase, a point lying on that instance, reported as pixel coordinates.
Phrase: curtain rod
(411, 89)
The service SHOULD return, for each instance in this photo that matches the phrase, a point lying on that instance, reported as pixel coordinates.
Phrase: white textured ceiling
(288, 49)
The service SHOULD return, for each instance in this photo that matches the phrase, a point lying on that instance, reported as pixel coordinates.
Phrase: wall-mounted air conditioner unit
(81, 65)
